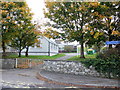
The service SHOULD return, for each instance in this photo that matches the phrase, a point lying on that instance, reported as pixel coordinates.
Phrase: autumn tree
(25, 34)
(31, 38)
(71, 17)
(106, 17)
(7, 23)
(50, 33)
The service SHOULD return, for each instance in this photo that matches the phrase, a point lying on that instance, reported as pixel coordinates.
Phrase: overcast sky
(36, 8)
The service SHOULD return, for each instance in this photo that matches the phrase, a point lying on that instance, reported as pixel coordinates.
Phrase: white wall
(43, 49)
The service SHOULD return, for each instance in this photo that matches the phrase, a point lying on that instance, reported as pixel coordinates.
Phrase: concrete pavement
(37, 78)
(24, 78)
(67, 56)
(80, 80)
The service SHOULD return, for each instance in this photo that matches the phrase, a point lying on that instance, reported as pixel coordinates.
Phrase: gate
(27, 63)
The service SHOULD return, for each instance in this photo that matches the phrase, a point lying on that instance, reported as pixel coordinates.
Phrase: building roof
(50, 40)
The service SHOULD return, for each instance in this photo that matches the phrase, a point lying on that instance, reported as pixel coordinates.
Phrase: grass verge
(38, 56)
(87, 57)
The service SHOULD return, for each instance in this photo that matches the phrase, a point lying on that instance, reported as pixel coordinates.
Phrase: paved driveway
(26, 78)
(68, 55)
(80, 80)
(23, 78)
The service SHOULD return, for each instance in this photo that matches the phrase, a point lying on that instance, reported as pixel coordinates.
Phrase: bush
(88, 62)
(108, 63)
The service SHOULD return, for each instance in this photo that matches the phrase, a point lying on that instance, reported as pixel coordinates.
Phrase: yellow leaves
(6, 5)
(95, 4)
(97, 34)
(115, 33)
(95, 14)
(3, 21)
(36, 40)
(101, 16)
(101, 33)
(110, 17)
(4, 11)
(92, 32)
(22, 12)
(49, 4)
(80, 8)
(104, 6)
(12, 3)
(111, 27)
(8, 17)
(50, 33)
(37, 32)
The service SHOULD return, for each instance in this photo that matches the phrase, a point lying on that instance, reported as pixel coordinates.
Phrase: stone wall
(71, 67)
(7, 63)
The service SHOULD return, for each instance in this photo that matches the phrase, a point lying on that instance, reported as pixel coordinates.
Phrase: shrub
(108, 62)
(88, 62)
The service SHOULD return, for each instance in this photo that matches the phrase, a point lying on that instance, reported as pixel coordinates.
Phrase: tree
(50, 33)
(31, 39)
(106, 16)
(25, 34)
(71, 17)
(7, 23)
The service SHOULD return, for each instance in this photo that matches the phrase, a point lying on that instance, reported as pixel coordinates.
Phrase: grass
(77, 58)
(38, 56)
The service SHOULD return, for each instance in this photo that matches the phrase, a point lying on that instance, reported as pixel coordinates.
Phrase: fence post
(16, 61)
(30, 63)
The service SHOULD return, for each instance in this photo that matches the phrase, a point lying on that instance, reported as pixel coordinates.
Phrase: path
(23, 78)
(37, 78)
(68, 55)
(79, 80)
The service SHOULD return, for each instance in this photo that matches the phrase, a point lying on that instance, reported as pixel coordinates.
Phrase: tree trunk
(110, 38)
(3, 48)
(110, 46)
(26, 53)
(20, 53)
(82, 50)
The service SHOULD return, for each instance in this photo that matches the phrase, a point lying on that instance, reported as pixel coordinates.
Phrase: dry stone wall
(70, 67)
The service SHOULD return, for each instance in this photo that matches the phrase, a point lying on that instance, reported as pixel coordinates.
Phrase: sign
(112, 42)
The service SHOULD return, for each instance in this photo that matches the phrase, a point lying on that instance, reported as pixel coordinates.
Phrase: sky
(36, 8)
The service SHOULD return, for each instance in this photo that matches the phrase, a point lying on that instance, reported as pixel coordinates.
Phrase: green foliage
(7, 22)
(105, 20)
(108, 63)
(50, 33)
(71, 17)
